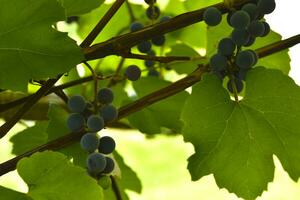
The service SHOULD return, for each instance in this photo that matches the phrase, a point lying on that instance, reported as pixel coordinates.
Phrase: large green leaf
(165, 113)
(236, 141)
(29, 47)
(79, 7)
(12, 195)
(50, 175)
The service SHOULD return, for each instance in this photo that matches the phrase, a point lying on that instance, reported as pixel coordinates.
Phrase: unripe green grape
(96, 163)
(240, 19)
(95, 123)
(105, 182)
(212, 16)
(76, 104)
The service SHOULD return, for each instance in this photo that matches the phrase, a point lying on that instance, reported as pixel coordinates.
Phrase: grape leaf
(50, 175)
(12, 194)
(185, 67)
(236, 141)
(29, 46)
(79, 7)
(165, 113)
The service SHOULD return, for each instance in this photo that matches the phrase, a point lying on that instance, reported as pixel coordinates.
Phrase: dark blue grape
(267, 29)
(76, 104)
(75, 122)
(110, 165)
(238, 84)
(251, 9)
(165, 19)
(240, 19)
(220, 74)
(159, 40)
(96, 163)
(105, 96)
(254, 55)
(72, 19)
(149, 63)
(144, 47)
(153, 12)
(109, 113)
(88, 110)
(135, 26)
(153, 72)
(245, 59)
(95, 123)
(240, 37)
(256, 28)
(250, 42)
(218, 62)
(106, 145)
(89, 142)
(266, 6)
(150, 2)
(133, 72)
(212, 16)
(226, 47)
(241, 74)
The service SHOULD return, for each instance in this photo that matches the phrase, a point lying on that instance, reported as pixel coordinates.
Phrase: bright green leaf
(236, 141)
(50, 175)
(30, 48)
(165, 113)
(12, 194)
(79, 7)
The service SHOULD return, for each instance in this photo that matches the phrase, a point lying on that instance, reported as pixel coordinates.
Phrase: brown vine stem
(145, 101)
(120, 44)
(116, 188)
(102, 23)
(161, 59)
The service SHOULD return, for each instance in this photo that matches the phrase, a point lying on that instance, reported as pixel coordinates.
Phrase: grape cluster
(231, 59)
(153, 13)
(85, 117)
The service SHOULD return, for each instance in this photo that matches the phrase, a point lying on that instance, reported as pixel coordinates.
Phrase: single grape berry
(256, 28)
(104, 182)
(105, 96)
(218, 62)
(212, 16)
(238, 85)
(133, 73)
(251, 9)
(89, 142)
(150, 2)
(159, 40)
(267, 29)
(144, 47)
(110, 165)
(135, 26)
(240, 37)
(76, 104)
(220, 74)
(108, 113)
(254, 55)
(153, 12)
(96, 163)
(149, 63)
(240, 19)
(245, 59)
(241, 74)
(75, 122)
(165, 19)
(95, 123)
(153, 72)
(226, 47)
(106, 145)
(266, 6)
(250, 41)
(228, 17)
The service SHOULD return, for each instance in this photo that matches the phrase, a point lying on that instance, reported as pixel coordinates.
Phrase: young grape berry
(266, 6)
(240, 37)
(153, 12)
(153, 72)
(144, 47)
(89, 142)
(158, 40)
(226, 47)
(106, 145)
(212, 16)
(75, 122)
(135, 26)
(165, 19)
(240, 19)
(109, 113)
(246, 59)
(105, 96)
(256, 28)
(238, 84)
(218, 62)
(76, 104)
(133, 73)
(251, 9)
(96, 163)
(95, 123)
(110, 165)
(105, 182)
